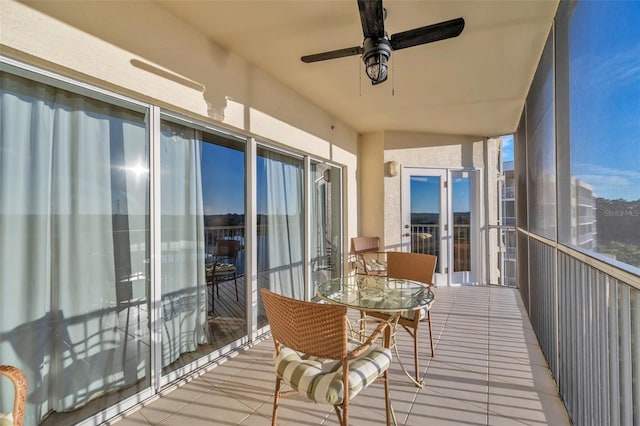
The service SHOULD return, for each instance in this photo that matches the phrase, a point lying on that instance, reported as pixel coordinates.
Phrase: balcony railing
(426, 239)
(586, 321)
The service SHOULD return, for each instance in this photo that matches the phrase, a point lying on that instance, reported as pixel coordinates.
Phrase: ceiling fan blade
(333, 54)
(372, 18)
(428, 34)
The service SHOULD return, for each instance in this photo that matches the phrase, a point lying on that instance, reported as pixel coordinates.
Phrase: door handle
(407, 235)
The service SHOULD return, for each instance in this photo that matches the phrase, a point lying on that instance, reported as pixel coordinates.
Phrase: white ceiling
(474, 84)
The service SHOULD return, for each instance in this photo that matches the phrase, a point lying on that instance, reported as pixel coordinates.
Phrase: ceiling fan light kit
(377, 46)
(375, 57)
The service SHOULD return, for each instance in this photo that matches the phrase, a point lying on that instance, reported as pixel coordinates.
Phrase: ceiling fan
(377, 46)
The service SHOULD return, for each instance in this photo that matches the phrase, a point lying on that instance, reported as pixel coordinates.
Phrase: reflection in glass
(598, 75)
(74, 250)
(202, 181)
(461, 222)
(326, 223)
(280, 239)
(425, 215)
(541, 159)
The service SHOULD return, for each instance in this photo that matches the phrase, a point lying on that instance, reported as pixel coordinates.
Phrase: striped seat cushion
(320, 380)
(422, 313)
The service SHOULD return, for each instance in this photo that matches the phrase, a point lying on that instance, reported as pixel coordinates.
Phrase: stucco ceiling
(474, 84)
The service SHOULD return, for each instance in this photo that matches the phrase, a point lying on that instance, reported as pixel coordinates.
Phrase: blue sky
(222, 179)
(605, 97)
(507, 148)
(425, 194)
(604, 63)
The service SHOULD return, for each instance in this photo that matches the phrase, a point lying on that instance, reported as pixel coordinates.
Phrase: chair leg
(236, 284)
(415, 353)
(387, 400)
(430, 332)
(213, 298)
(344, 421)
(276, 400)
(209, 299)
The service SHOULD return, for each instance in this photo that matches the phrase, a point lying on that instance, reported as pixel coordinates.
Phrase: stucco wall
(138, 49)
(421, 150)
(370, 184)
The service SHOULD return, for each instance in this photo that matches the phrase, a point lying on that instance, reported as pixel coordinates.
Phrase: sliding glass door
(280, 220)
(326, 223)
(78, 306)
(203, 203)
(74, 248)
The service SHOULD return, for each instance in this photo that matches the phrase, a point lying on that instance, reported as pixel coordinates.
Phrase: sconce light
(391, 168)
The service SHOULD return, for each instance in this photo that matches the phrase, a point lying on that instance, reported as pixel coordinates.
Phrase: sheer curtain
(184, 307)
(282, 203)
(58, 270)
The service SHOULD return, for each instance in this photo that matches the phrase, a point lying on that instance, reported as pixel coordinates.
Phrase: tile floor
(488, 370)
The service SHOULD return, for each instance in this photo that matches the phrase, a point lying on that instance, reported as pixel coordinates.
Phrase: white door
(438, 218)
(425, 218)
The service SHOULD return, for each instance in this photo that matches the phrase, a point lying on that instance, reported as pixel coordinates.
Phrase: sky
(605, 97)
(507, 148)
(425, 194)
(604, 100)
(222, 180)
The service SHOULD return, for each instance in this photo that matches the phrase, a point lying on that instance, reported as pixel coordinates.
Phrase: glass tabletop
(377, 293)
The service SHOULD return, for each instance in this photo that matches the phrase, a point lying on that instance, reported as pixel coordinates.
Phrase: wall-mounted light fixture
(391, 168)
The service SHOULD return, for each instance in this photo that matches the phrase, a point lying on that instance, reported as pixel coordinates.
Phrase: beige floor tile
(135, 419)
(214, 407)
(488, 370)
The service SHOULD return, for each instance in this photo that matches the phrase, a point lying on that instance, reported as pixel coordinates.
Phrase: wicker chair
(20, 399)
(315, 357)
(369, 259)
(416, 267)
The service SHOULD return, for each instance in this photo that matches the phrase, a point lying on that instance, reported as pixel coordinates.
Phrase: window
(598, 55)
(541, 158)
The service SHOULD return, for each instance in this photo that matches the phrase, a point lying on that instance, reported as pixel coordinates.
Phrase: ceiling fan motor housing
(375, 55)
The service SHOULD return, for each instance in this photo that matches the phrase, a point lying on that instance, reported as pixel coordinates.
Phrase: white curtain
(59, 321)
(184, 302)
(285, 240)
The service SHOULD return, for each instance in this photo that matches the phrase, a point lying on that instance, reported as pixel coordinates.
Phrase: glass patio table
(393, 296)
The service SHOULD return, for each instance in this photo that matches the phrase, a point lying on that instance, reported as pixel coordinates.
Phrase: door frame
(444, 275)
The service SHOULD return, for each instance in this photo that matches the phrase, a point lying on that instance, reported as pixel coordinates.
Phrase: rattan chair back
(360, 245)
(411, 266)
(312, 328)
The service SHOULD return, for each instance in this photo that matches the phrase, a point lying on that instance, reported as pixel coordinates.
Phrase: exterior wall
(381, 211)
(423, 150)
(140, 50)
(371, 181)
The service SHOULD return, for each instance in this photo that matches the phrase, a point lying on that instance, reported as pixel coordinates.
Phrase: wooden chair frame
(19, 381)
(319, 330)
